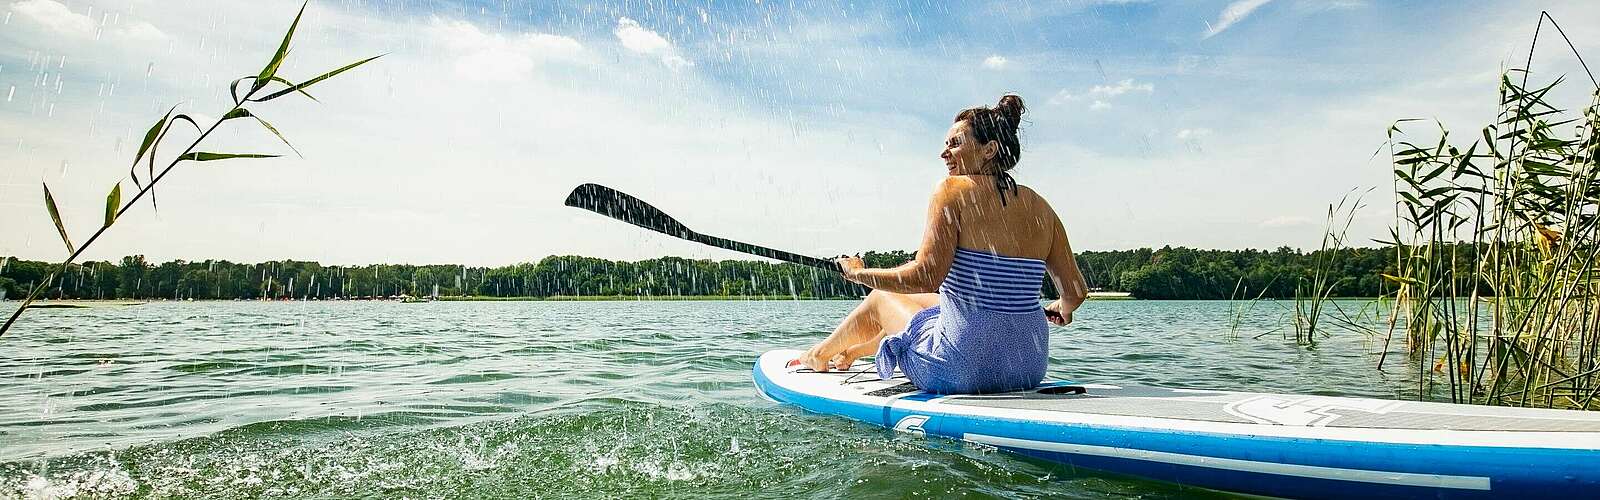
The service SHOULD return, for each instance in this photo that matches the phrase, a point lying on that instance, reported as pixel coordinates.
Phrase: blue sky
(810, 126)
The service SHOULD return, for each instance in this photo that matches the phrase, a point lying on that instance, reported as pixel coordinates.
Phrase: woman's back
(1023, 225)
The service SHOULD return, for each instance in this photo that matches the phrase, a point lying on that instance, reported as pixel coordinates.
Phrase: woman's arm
(924, 273)
(1063, 269)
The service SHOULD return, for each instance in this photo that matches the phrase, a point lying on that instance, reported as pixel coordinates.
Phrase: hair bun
(1011, 108)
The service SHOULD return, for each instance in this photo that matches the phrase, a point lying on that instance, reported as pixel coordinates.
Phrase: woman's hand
(1056, 314)
(851, 265)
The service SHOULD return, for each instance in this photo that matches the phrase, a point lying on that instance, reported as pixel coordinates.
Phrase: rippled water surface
(546, 399)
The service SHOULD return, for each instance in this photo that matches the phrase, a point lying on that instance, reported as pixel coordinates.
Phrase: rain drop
(12, 93)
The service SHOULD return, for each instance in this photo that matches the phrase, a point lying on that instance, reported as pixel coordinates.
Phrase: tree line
(1164, 273)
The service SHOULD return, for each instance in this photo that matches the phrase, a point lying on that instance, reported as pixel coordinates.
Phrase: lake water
(556, 399)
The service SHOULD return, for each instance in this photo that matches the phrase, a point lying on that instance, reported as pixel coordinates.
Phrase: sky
(809, 126)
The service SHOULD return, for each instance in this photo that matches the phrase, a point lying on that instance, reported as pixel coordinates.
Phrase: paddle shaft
(627, 208)
(739, 246)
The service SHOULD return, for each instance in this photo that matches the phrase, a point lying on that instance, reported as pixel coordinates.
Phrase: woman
(967, 308)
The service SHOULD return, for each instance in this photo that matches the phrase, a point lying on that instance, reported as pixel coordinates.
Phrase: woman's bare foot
(813, 360)
(842, 361)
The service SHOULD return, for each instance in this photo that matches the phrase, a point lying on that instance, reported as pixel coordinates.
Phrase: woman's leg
(858, 335)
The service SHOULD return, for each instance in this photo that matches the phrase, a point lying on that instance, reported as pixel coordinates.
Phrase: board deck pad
(1272, 444)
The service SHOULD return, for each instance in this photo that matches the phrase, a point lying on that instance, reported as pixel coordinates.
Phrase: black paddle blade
(620, 206)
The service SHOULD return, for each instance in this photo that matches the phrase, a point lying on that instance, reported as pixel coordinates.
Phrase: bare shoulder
(1033, 198)
(1041, 206)
(955, 184)
(953, 188)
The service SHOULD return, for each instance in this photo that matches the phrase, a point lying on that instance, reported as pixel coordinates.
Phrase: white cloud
(1287, 221)
(59, 19)
(1062, 97)
(636, 38)
(499, 57)
(995, 62)
(1103, 94)
(1193, 133)
(1232, 14)
(1122, 87)
(1343, 4)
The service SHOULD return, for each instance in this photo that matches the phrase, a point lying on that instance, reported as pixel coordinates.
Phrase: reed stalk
(263, 86)
(1498, 294)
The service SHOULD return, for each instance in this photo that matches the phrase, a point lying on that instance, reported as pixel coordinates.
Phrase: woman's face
(962, 154)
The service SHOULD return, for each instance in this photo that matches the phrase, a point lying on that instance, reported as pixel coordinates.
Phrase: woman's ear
(991, 149)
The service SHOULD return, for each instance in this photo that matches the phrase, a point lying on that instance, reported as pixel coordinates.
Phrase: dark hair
(998, 123)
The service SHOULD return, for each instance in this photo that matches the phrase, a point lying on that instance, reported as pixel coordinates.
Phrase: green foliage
(134, 278)
(1517, 212)
(1185, 273)
(1166, 273)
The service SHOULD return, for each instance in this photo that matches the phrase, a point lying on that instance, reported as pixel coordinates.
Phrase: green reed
(263, 86)
(1498, 294)
(1311, 293)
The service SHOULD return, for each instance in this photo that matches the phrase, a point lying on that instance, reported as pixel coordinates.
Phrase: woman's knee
(881, 296)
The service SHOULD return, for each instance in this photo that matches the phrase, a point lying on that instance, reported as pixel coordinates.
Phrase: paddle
(620, 206)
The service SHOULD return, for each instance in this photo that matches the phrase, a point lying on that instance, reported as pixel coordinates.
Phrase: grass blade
(200, 156)
(149, 140)
(55, 216)
(113, 202)
(313, 81)
(277, 59)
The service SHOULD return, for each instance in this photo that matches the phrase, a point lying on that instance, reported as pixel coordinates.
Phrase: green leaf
(150, 139)
(221, 156)
(1435, 172)
(313, 81)
(55, 216)
(277, 59)
(1437, 191)
(275, 132)
(243, 113)
(1399, 279)
(113, 202)
(191, 121)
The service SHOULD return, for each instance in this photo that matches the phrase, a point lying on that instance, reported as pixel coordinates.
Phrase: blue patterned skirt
(958, 348)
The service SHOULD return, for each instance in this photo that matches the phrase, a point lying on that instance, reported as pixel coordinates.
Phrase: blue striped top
(994, 282)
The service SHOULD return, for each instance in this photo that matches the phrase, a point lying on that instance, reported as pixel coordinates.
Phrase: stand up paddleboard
(1266, 444)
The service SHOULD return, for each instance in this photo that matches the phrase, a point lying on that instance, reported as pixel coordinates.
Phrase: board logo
(1303, 412)
(912, 424)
